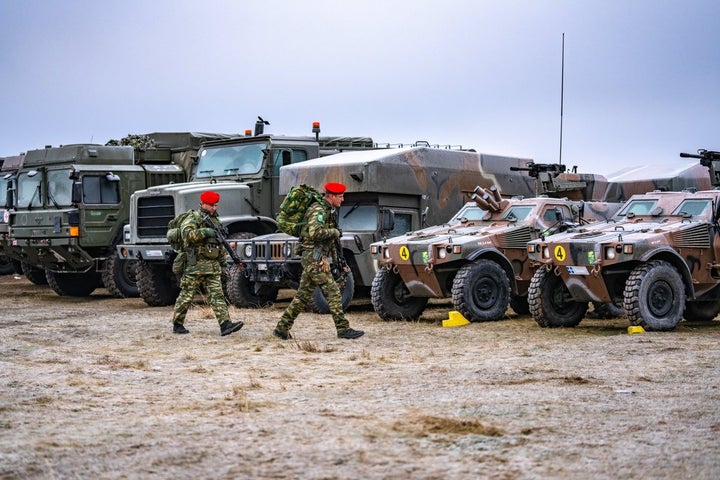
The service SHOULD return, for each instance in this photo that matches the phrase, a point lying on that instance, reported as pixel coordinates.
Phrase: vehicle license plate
(577, 270)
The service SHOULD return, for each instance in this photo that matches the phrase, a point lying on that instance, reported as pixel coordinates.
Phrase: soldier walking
(205, 264)
(318, 239)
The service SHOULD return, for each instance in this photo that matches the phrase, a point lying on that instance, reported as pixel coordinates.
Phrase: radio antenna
(562, 93)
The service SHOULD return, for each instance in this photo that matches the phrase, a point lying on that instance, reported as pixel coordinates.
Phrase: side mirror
(558, 214)
(387, 222)
(77, 192)
(111, 177)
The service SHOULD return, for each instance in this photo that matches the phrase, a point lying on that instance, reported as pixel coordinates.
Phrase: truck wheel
(6, 265)
(481, 291)
(157, 285)
(241, 291)
(655, 296)
(319, 303)
(519, 304)
(550, 302)
(74, 284)
(705, 308)
(392, 300)
(35, 274)
(119, 277)
(18, 266)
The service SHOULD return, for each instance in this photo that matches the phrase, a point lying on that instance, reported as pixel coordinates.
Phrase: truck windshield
(638, 207)
(29, 189)
(694, 207)
(59, 188)
(471, 213)
(359, 218)
(232, 160)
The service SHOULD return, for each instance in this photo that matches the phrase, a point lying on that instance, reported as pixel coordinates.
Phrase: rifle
(709, 159)
(338, 271)
(220, 234)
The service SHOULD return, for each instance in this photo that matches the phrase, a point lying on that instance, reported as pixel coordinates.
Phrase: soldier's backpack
(174, 236)
(293, 207)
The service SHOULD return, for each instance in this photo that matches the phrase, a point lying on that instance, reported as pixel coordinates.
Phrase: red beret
(333, 187)
(209, 197)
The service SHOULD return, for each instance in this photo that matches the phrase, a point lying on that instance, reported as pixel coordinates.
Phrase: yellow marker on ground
(456, 320)
(636, 329)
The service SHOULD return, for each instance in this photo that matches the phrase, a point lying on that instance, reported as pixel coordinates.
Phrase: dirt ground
(99, 387)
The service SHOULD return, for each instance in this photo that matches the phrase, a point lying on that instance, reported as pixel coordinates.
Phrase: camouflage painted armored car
(479, 258)
(658, 256)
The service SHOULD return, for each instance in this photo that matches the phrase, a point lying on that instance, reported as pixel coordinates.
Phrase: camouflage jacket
(320, 230)
(208, 252)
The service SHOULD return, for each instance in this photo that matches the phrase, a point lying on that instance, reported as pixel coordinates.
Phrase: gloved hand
(335, 233)
(207, 232)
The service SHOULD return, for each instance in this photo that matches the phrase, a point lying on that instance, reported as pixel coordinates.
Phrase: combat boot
(180, 328)
(350, 333)
(282, 334)
(227, 327)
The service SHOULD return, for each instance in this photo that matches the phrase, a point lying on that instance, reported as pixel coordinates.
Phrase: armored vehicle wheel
(35, 274)
(6, 265)
(550, 302)
(519, 304)
(73, 284)
(319, 303)
(655, 296)
(392, 300)
(18, 266)
(119, 277)
(241, 291)
(481, 291)
(157, 285)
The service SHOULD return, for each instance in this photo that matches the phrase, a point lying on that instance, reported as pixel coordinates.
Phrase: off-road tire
(481, 291)
(157, 285)
(119, 277)
(519, 304)
(655, 296)
(550, 302)
(6, 265)
(319, 304)
(35, 274)
(241, 291)
(392, 300)
(74, 284)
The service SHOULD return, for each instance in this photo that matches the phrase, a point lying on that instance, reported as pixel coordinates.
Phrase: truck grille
(272, 250)
(697, 236)
(153, 216)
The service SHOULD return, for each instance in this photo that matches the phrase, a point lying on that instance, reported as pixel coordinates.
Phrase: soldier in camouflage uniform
(204, 266)
(318, 237)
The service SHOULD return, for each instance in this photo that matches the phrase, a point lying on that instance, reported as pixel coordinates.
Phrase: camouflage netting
(140, 142)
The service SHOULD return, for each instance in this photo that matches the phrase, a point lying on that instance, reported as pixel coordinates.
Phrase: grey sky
(641, 76)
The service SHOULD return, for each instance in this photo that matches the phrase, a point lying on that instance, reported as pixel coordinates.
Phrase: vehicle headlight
(610, 253)
(288, 249)
(386, 253)
(546, 252)
(248, 250)
(442, 253)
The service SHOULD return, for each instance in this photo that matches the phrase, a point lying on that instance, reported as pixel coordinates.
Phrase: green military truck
(10, 165)
(72, 202)
(659, 256)
(245, 172)
(389, 192)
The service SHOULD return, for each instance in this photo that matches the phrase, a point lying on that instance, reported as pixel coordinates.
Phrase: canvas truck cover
(412, 171)
(667, 177)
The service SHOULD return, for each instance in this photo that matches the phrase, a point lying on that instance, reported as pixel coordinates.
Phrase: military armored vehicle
(389, 192)
(245, 172)
(479, 258)
(659, 256)
(72, 203)
(10, 165)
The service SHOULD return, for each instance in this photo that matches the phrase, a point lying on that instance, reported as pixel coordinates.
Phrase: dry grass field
(100, 388)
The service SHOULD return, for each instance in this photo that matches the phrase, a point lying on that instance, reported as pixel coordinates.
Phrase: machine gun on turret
(709, 159)
(547, 181)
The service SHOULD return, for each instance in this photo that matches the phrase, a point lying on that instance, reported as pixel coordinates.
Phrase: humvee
(659, 256)
(479, 258)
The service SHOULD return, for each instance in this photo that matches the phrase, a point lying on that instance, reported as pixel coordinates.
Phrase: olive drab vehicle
(659, 256)
(71, 205)
(244, 170)
(389, 192)
(10, 165)
(479, 258)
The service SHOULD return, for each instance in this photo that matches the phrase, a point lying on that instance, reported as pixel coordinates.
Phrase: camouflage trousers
(209, 278)
(312, 277)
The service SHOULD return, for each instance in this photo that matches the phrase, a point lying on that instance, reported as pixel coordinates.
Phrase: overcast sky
(641, 77)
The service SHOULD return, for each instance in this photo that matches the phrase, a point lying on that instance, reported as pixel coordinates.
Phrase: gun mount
(709, 159)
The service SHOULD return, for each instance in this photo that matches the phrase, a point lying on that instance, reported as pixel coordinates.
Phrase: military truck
(10, 165)
(245, 172)
(659, 256)
(73, 201)
(389, 192)
(479, 258)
